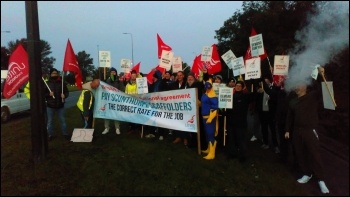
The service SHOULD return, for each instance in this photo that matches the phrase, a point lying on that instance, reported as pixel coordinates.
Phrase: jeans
(50, 114)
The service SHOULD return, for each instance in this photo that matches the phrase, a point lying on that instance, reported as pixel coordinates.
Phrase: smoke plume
(326, 34)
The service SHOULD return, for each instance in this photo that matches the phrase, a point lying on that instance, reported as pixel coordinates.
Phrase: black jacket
(56, 87)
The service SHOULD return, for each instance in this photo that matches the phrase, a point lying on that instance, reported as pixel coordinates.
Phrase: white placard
(225, 97)
(217, 86)
(238, 66)
(327, 99)
(82, 135)
(166, 59)
(256, 45)
(142, 86)
(314, 72)
(104, 58)
(252, 68)
(206, 53)
(228, 57)
(125, 65)
(177, 64)
(281, 65)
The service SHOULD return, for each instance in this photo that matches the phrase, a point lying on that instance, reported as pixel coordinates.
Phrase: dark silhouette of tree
(45, 48)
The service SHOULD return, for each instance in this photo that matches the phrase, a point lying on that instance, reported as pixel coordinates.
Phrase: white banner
(238, 66)
(225, 97)
(206, 53)
(177, 64)
(228, 57)
(104, 58)
(281, 65)
(142, 87)
(125, 65)
(166, 59)
(176, 109)
(252, 68)
(256, 45)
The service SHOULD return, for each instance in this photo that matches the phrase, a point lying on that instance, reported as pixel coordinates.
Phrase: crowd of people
(261, 110)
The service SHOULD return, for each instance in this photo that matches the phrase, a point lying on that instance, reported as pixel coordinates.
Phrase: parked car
(16, 104)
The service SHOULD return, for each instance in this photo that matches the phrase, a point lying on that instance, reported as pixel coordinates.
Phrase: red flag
(71, 64)
(248, 54)
(136, 67)
(213, 66)
(150, 74)
(197, 66)
(18, 72)
(162, 46)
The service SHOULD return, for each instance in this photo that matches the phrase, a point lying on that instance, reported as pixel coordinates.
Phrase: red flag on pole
(136, 67)
(150, 74)
(71, 64)
(213, 66)
(248, 54)
(197, 66)
(162, 46)
(18, 71)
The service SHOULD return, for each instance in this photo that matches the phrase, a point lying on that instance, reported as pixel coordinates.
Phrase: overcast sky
(184, 26)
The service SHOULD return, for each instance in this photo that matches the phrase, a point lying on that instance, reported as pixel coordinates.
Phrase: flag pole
(62, 86)
(325, 81)
(47, 86)
(269, 64)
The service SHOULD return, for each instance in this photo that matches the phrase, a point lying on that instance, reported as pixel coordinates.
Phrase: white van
(16, 104)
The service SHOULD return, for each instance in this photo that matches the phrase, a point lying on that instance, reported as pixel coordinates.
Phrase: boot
(211, 154)
(208, 149)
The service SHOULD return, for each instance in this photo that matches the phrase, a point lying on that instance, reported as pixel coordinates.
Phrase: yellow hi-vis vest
(81, 100)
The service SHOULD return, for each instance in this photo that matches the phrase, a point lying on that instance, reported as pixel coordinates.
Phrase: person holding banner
(210, 107)
(193, 83)
(86, 105)
(180, 83)
(131, 88)
(156, 86)
(302, 119)
(55, 103)
(114, 81)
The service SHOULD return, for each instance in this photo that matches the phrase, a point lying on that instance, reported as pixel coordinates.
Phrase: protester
(180, 83)
(237, 120)
(302, 119)
(85, 105)
(114, 81)
(55, 100)
(210, 107)
(266, 102)
(193, 83)
(156, 86)
(283, 99)
(131, 88)
(220, 137)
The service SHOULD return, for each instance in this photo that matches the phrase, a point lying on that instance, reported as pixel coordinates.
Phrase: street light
(132, 49)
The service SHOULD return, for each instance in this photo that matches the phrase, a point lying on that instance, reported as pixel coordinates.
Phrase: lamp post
(132, 49)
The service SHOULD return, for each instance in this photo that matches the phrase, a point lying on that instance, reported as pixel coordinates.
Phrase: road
(72, 99)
